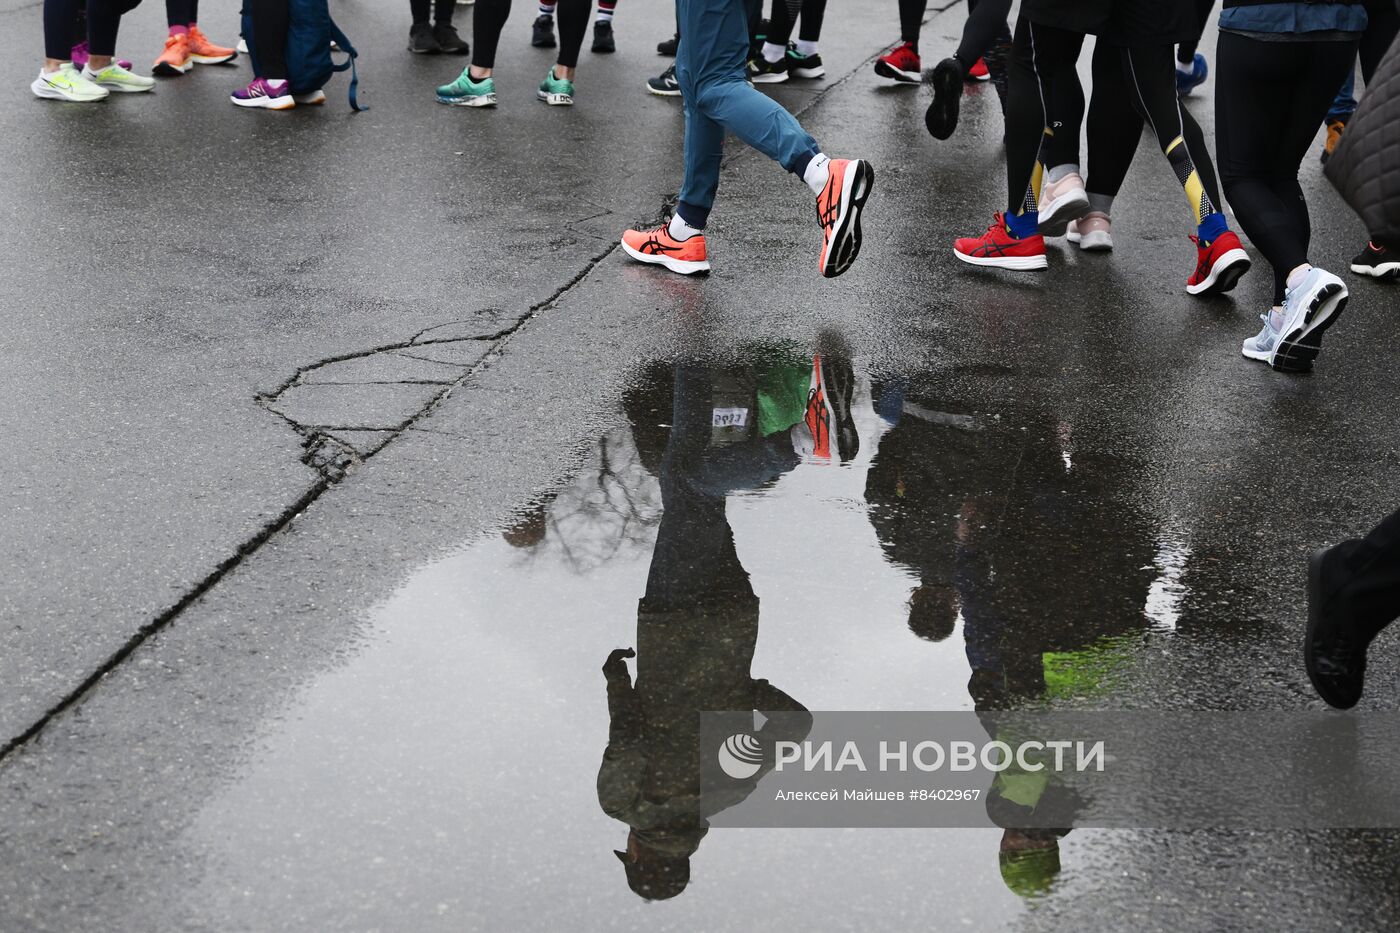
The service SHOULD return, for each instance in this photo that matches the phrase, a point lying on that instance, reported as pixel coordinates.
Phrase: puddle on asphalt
(890, 549)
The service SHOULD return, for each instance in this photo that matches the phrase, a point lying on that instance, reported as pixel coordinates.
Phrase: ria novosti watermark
(1042, 770)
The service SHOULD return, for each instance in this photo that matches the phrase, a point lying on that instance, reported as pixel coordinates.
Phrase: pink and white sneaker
(268, 95)
(1092, 233)
(1061, 202)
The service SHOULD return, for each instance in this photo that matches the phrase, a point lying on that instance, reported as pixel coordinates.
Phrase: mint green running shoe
(116, 78)
(464, 92)
(557, 92)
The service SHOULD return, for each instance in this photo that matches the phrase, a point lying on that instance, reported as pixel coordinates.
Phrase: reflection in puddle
(784, 532)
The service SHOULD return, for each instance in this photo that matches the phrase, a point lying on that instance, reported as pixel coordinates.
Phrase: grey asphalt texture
(263, 371)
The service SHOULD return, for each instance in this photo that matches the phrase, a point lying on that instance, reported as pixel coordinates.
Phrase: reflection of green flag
(782, 395)
(1087, 672)
(1030, 872)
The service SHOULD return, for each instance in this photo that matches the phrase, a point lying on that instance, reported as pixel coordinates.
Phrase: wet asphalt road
(396, 358)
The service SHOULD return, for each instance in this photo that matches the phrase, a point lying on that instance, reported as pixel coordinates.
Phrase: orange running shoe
(175, 60)
(838, 209)
(204, 52)
(659, 248)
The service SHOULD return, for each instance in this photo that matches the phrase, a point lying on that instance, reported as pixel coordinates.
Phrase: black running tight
(1131, 85)
(439, 10)
(1269, 99)
(780, 21)
(1044, 108)
(489, 18)
(911, 20)
(985, 27)
(103, 18)
(1186, 51)
(270, 21)
(181, 12)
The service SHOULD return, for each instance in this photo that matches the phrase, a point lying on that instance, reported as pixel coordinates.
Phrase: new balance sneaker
(421, 40)
(204, 52)
(1292, 335)
(449, 41)
(838, 210)
(1219, 265)
(265, 95)
(657, 247)
(762, 71)
(1378, 261)
(79, 56)
(1188, 81)
(175, 59)
(67, 84)
(604, 42)
(998, 248)
(667, 47)
(1335, 128)
(665, 84)
(1061, 202)
(542, 32)
(464, 92)
(802, 66)
(901, 65)
(941, 117)
(116, 78)
(1092, 233)
(557, 92)
(979, 71)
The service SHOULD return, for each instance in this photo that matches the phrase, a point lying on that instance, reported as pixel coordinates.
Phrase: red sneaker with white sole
(979, 72)
(1219, 265)
(901, 65)
(657, 247)
(838, 208)
(998, 248)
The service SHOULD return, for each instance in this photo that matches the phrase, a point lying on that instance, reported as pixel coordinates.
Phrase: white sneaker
(1292, 335)
(116, 78)
(67, 84)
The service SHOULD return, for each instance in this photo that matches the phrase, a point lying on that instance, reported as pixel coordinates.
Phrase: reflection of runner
(697, 625)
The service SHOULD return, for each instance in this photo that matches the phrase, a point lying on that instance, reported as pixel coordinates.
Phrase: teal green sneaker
(464, 92)
(557, 92)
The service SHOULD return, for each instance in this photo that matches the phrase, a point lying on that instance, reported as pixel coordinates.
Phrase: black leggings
(1044, 108)
(1186, 51)
(780, 21)
(1131, 85)
(439, 10)
(270, 21)
(181, 12)
(984, 31)
(489, 18)
(103, 18)
(1269, 99)
(911, 20)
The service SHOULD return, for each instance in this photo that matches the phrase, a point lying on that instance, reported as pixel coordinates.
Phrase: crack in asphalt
(332, 459)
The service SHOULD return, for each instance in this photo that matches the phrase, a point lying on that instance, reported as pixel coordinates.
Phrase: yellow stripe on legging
(1186, 172)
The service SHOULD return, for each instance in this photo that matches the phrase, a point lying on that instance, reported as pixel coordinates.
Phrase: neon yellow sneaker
(67, 84)
(116, 78)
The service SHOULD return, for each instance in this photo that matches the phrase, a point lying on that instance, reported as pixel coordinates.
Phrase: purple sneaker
(269, 95)
(80, 57)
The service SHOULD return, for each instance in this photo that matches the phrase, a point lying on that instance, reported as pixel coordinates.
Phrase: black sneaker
(1334, 652)
(603, 42)
(449, 41)
(665, 84)
(542, 36)
(421, 40)
(941, 118)
(804, 66)
(668, 47)
(1378, 261)
(762, 71)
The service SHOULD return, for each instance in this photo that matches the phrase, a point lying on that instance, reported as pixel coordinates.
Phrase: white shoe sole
(555, 100)
(211, 60)
(171, 71)
(807, 73)
(898, 76)
(1015, 263)
(1226, 271)
(313, 99)
(1071, 205)
(266, 103)
(668, 93)
(1095, 241)
(770, 79)
(1384, 270)
(43, 89)
(681, 266)
(125, 89)
(482, 100)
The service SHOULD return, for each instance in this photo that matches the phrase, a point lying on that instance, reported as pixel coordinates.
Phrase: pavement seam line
(315, 438)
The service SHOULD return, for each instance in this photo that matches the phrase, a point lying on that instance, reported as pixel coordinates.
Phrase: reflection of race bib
(730, 418)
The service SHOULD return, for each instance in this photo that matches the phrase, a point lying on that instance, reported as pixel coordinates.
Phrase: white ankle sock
(1186, 68)
(817, 173)
(773, 53)
(680, 230)
(806, 47)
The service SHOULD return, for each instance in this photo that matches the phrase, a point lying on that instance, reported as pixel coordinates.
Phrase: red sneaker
(658, 247)
(838, 209)
(997, 247)
(979, 72)
(1219, 265)
(901, 65)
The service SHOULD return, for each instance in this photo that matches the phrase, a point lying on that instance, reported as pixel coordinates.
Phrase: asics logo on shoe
(655, 247)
